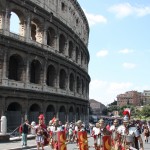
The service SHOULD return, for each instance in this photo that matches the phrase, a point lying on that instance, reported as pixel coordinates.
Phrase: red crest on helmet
(41, 116)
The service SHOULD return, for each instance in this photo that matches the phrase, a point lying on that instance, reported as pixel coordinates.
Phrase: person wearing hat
(128, 133)
(78, 127)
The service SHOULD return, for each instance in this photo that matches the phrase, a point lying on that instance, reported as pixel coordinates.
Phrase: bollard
(3, 125)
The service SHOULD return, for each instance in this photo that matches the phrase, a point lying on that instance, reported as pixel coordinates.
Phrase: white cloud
(94, 19)
(129, 65)
(106, 92)
(126, 9)
(118, 87)
(125, 51)
(97, 84)
(102, 53)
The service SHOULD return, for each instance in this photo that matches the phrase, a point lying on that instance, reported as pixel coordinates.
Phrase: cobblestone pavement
(15, 144)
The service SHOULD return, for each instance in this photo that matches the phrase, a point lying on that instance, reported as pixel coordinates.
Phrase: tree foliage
(146, 111)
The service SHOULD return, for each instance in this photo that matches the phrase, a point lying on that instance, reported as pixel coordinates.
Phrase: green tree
(105, 111)
(146, 111)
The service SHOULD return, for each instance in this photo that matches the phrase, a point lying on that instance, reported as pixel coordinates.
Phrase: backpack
(20, 129)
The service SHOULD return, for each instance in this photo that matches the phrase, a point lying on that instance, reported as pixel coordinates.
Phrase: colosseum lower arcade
(43, 67)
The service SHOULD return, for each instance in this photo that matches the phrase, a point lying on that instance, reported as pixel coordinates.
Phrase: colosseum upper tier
(43, 68)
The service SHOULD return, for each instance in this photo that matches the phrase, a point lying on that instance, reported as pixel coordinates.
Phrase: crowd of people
(124, 136)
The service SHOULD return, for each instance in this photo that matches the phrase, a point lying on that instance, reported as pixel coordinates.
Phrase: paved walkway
(16, 144)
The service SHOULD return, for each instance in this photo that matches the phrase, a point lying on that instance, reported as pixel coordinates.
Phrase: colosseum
(44, 68)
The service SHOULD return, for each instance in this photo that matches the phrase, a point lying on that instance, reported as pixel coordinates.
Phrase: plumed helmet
(41, 117)
(126, 114)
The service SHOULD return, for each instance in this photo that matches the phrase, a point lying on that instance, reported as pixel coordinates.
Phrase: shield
(82, 140)
(61, 140)
(106, 142)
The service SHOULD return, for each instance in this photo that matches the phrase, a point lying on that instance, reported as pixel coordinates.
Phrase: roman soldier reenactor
(58, 141)
(105, 138)
(81, 136)
(114, 134)
(97, 136)
(41, 133)
(128, 133)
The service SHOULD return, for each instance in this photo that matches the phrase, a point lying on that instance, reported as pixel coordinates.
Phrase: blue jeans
(24, 139)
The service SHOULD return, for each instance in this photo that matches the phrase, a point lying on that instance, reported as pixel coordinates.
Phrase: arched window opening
(50, 113)
(85, 60)
(81, 59)
(62, 44)
(51, 76)
(35, 72)
(77, 114)
(14, 23)
(71, 82)
(62, 114)
(50, 108)
(15, 68)
(77, 54)
(83, 87)
(33, 32)
(78, 85)
(71, 115)
(70, 49)
(63, 6)
(62, 79)
(35, 107)
(14, 107)
(34, 112)
(51, 37)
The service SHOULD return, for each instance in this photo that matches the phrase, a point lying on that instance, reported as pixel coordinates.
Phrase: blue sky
(119, 46)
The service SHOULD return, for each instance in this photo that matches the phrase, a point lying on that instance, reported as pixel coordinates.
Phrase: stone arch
(82, 114)
(51, 76)
(85, 60)
(62, 44)
(70, 49)
(82, 86)
(36, 30)
(82, 58)
(77, 113)
(78, 84)
(14, 118)
(34, 112)
(62, 114)
(77, 54)
(71, 114)
(50, 113)
(51, 37)
(62, 79)
(71, 82)
(16, 67)
(18, 23)
(35, 72)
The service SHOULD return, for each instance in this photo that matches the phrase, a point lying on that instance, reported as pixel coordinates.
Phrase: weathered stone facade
(44, 69)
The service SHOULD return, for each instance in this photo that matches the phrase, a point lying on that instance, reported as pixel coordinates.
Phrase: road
(90, 143)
